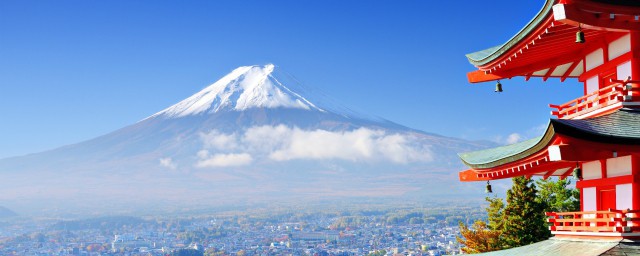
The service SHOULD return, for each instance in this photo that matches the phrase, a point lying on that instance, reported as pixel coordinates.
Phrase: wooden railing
(604, 97)
(612, 221)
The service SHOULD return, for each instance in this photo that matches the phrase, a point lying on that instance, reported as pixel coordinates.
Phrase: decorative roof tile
(619, 127)
(622, 126)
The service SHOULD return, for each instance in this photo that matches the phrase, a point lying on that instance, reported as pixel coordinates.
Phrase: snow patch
(244, 88)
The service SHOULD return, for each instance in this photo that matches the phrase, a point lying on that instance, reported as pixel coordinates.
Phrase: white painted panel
(589, 197)
(554, 153)
(624, 70)
(619, 166)
(578, 70)
(620, 46)
(594, 59)
(591, 170)
(560, 171)
(624, 196)
(541, 72)
(593, 85)
(559, 71)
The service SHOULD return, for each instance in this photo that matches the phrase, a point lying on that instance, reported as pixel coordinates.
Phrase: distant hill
(256, 135)
(5, 212)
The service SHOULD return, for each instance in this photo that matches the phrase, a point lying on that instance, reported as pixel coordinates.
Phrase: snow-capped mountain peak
(244, 88)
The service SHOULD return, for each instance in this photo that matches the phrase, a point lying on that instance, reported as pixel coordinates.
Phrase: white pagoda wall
(599, 179)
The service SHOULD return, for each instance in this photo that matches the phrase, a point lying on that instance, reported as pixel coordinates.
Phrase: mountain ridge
(209, 148)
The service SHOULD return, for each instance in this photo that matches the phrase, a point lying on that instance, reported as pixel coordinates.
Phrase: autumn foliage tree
(479, 238)
(521, 221)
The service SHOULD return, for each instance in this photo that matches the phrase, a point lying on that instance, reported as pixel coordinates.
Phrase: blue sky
(74, 70)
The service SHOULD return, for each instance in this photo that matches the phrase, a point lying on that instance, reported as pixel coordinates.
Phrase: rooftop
(571, 247)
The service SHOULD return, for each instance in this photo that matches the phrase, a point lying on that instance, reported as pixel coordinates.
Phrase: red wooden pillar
(635, 187)
(635, 60)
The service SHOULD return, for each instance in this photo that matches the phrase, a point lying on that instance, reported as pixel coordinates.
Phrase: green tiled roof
(485, 56)
(489, 155)
(619, 127)
(565, 247)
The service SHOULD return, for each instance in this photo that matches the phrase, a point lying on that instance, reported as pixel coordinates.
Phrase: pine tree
(495, 212)
(556, 195)
(523, 215)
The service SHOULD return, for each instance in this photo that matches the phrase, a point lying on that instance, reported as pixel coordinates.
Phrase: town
(393, 231)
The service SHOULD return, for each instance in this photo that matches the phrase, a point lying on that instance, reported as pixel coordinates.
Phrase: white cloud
(168, 163)
(266, 138)
(203, 154)
(217, 140)
(513, 138)
(282, 143)
(516, 137)
(225, 160)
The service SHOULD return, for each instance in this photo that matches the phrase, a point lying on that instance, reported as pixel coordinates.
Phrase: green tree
(495, 212)
(523, 215)
(557, 196)
(378, 253)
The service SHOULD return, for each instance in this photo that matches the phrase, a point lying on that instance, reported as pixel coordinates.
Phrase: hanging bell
(498, 87)
(580, 37)
(577, 173)
(488, 188)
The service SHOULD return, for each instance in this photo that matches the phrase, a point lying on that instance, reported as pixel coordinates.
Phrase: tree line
(521, 219)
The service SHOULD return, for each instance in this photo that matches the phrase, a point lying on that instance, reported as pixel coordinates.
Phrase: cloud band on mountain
(223, 160)
(282, 143)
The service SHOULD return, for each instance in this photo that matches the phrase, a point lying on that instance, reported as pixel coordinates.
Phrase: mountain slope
(246, 138)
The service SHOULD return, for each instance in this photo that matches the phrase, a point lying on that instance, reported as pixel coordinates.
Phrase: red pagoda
(595, 137)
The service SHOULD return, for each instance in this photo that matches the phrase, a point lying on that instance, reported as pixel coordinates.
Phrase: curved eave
(619, 128)
(504, 155)
(484, 57)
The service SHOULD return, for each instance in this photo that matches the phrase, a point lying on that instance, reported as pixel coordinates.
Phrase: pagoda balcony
(621, 93)
(611, 223)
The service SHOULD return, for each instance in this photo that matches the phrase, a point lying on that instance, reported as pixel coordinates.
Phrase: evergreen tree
(556, 195)
(521, 220)
(495, 212)
(523, 215)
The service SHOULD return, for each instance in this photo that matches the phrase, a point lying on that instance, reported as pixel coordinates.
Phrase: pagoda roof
(492, 157)
(619, 128)
(546, 46)
(485, 56)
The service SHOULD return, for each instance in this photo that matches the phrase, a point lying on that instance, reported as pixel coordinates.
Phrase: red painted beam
(548, 74)
(608, 65)
(523, 43)
(553, 62)
(568, 72)
(575, 14)
(548, 174)
(607, 181)
(566, 174)
(479, 76)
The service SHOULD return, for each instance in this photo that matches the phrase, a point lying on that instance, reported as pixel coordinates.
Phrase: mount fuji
(255, 135)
